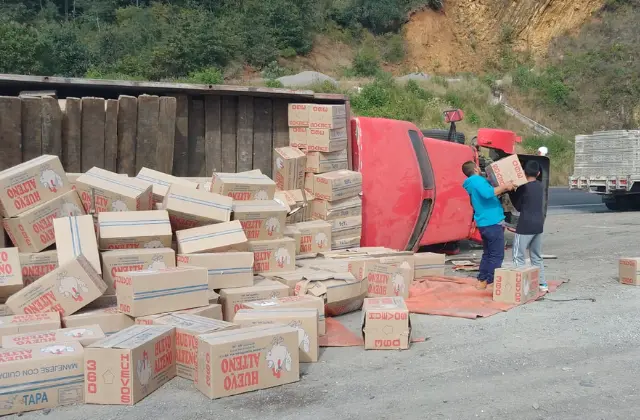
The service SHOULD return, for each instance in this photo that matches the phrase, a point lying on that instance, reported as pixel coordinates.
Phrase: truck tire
(620, 203)
(444, 135)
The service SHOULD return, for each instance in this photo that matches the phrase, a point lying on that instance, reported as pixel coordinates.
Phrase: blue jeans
(492, 251)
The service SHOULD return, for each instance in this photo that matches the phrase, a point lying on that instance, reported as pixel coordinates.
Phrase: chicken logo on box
(70, 209)
(119, 205)
(144, 371)
(51, 180)
(278, 358)
(154, 244)
(71, 287)
(273, 225)
(304, 341)
(262, 195)
(57, 349)
(78, 333)
(157, 263)
(282, 257)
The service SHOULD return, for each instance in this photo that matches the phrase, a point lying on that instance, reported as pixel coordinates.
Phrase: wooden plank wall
(183, 135)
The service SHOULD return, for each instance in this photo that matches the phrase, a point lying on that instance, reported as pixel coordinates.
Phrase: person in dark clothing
(488, 215)
(528, 200)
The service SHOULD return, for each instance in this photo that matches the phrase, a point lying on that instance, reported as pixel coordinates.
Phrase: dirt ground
(552, 359)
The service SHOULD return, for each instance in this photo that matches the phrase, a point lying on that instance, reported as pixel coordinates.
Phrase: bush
(274, 84)
(273, 71)
(393, 48)
(366, 62)
(209, 76)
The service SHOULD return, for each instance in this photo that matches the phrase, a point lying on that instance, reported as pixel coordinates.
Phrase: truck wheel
(622, 203)
(444, 135)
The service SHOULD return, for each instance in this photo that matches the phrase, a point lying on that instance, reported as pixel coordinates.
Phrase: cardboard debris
(110, 319)
(84, 335)
(331, 210)
(628, 271)
(129, 365)
(302, 319)
(225, 270)
(26, 323)
(341, 292)
(386, 324)
(33, 230)
(66, 289)
(389, 276)
(516, 285)
(288, 168)
(299, 203)
(315, 237)
(221, 237)
(104, 191)
(299, 115)
(327, 140)
(123, 261)
(243, 187)
(278, 255)
(320, 162)
(41, 376)
(506, 169)
(151, 292)
(76, 236)
(10, 273)
(189, 208)
(327, 116)
(261, 219)
(134, 229)
(37, 264)
(298, 137)
(428, 264)
(160, 182)
(232, 299)
(337, 185)
(291, 302)
(269, 358)
(31, 184)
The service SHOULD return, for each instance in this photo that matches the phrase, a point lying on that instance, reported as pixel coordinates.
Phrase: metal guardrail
(537, 127)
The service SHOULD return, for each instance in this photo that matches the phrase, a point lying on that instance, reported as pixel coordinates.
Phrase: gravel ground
(547, 360)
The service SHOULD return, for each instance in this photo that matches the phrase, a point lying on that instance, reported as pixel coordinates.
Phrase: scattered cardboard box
(389, 276)
(123, 261)
(225, 270)
(341, 292)
(303, 320)
(72, 177)
(66, 289)
(292, 302)
(25, 323)
(270, 358)
(332, 210)
(298, 137)
(134, 229)
(309, 183)
(10, 273)
(243, 187)
(299, 115)
(129, 365)
(315, 236)
(507, 169)
(346, 243)
(37, 264)
(327, 116)
(516, 285)
(110, 319)
(32, 377)
(386, 324)
(278, 255)
(293, 233)
(189, 208)
(213, 311)
(428, 264)
(33, 230)
(76, 236)
(320, 162)
(104, 191)
(288, 168)
(221, 237)
(261, 219)
(299, 203)
(232, 299)
(346, 227)
(337, 185)
(84, 335)
(31, 184)
(628, 271)
(327, 140)
(161, 182)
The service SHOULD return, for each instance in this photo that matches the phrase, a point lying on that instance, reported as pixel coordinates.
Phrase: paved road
(562, 201)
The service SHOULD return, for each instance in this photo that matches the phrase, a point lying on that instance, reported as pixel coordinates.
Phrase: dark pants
(493, 251)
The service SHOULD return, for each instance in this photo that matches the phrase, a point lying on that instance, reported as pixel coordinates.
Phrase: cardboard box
(516, 285)
(33, 231)
(31, 184)
(225, 270)
(505, 170)
(327, 140)
(299, 203)
(260, 219)
(232, 299)
(42, 376)
(104, 191)
(278, 255)
(385, 324)
(221, 237)
(72, 177)
(151, 292)
(288, 168)
(110, 319)
(213, 311)
(327, 116)
(303, 320)
(299, 115)
(83, 335)
(134, 229)
(293, 233)
(243, 187)
(67, 289)
(37, 264)
(10, 272)
(25, 323)
(428, 264)
(346, 227)
(332, 210)
(390, 276)
(315, 236)
(320, 162)
(76, 236)
(341, 292)
(270, 358)
(291, 302)
(188, 328)
(123, 261)
(337, 185)
(189, 208)
(298, 137)
(129, 365)
(346, 243)
(5, 310)
(160, 182)
(628, 271)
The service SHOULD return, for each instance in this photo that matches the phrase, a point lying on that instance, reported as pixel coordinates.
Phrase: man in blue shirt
(488, 214)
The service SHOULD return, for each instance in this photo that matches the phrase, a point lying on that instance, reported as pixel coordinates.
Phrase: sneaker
(481, 285)
(544, 288)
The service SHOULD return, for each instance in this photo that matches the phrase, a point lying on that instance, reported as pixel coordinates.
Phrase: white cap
(542, 151)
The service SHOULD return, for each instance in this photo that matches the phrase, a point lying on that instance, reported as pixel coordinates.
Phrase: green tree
(19, 49)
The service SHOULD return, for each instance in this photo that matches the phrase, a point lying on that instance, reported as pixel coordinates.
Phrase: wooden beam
(31, 128)
(181, 141)
(228, 121)
(166, 134)
(245, 134)
(72, 135)
(196, 138)
(280, 123)
(147, 137)
(92, 133)
(51, 127)
(10, 133)
(127, 132)
(263, 135)
(111, 135)
(212, 135)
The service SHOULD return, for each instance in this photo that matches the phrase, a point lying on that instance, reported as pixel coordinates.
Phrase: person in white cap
(542, 151)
